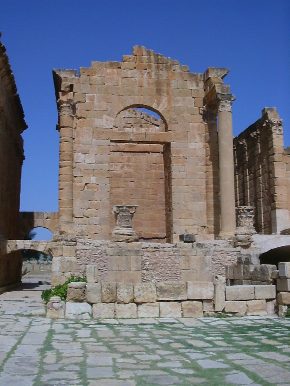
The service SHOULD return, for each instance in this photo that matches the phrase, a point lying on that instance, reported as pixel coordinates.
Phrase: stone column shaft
(66, 168)
(226, 168)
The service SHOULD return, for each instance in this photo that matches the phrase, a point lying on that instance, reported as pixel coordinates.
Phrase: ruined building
(153, 190)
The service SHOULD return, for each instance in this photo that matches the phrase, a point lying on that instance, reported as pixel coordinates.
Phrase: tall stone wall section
(260, 173)
(11, 157)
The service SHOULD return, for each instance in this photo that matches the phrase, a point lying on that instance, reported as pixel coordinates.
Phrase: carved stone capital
(123, 230)
(225, 102)
(245, 226)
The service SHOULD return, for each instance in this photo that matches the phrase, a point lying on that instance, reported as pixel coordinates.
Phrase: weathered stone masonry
(164, 200)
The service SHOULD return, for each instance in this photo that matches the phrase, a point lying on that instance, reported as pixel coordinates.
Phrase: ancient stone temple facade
(159, 207)
(112, 153)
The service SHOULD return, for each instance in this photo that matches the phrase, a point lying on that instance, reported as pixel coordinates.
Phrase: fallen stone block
(265, 291)
(171, 291)
(200, 290)
(94, 293)
(283, 298)
(109, 292)
(282, 310)
(104, 311)
(284, 270)
(125, 293)
(148, 310)
(55, 308)
(192, 309)
(126, 310)
(236, 307)
(76, 292)
(283, 285)
(256, 307)
(75, 310)
(240, 292)
(170, 309)
(144, 293)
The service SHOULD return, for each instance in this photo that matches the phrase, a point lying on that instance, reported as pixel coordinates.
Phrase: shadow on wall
(276, 255)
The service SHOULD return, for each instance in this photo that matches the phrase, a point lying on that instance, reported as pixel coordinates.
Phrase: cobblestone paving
(209, 351)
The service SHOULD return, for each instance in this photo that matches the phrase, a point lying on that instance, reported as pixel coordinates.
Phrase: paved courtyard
(209, 351)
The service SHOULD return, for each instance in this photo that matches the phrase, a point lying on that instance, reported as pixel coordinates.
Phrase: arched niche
(140, 172)
(140, 119)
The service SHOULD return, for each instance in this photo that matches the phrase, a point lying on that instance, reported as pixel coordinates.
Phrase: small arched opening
(276, 255)
(39, 234)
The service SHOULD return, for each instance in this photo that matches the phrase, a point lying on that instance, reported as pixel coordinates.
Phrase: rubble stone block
(171, 291)
(265, 291)
(236, 307)
(144, 293)
(148, 310)
(284, 270)
(109, 292)
(283, 285)
(200, 290)
(78, 310)
(55, 308)
(125, 293)
(104, 311)
(126, 310)
(282, 310)
(76, 292)
(192, 309)
(283, 298)
(94, 293)
(170, 309)
(92, 273)
(256, 307)
(240, 292)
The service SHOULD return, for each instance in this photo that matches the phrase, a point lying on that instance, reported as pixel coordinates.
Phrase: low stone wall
(107, 300)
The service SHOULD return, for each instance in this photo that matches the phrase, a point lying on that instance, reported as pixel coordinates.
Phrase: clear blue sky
(250, 37)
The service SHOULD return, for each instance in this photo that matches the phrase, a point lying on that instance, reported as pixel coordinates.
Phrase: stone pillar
(65, 127)
(226, 166)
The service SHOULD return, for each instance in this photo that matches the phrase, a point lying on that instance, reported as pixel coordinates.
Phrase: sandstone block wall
(110, 153)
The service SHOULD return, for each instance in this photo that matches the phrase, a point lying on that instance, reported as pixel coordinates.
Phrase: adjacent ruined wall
(11, 150)
(260, 172)
(101, 139)
(11, 157)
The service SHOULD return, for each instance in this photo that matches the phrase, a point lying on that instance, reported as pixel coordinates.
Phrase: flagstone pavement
(36, 351)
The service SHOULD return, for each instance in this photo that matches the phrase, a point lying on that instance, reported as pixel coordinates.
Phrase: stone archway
(276, 255)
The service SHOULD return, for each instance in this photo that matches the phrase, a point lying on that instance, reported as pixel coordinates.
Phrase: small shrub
(287, 315)
(60, 289)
